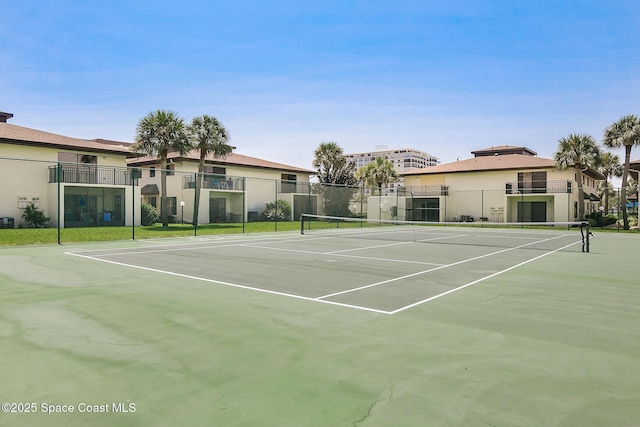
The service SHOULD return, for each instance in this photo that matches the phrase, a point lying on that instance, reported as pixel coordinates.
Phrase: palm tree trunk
(580, 194)
(623, 190)
(164, 208)
(606, 194)
(196, 203)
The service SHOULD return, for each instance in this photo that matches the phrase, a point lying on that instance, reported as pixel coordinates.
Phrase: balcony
(215, 182)
(295, 187)
(537, 187)
(91, 174)
(424, 190)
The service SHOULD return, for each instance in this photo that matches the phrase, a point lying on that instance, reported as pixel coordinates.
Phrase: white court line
(186, 247)
(450, 291)
(219, 282)
(369, 247)
(395, 244)
(321, 299)
(434, 269)
(338, 254)
(254, 244)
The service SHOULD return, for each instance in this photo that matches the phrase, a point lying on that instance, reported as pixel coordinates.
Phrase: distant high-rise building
(403, 159)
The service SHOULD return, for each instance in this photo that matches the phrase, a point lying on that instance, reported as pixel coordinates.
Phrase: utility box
(7, 222)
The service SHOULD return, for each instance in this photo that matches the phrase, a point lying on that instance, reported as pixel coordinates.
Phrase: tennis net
(545, 236)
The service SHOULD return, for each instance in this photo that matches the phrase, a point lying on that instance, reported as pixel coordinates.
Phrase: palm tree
(158, 134)
(377, 173)
(579, 152)
(209, 137)
(332, 165)
(336, 176)
(609, 166)
(624, 133)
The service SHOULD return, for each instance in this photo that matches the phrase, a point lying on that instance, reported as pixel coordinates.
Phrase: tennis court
(334, 327)
(382, 269)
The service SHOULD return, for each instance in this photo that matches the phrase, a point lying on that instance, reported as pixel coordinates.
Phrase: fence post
(309, 198)
(362, 203)
(445, 205)
(276, 217)
(133, 203)
(618, 213)
(59, 177)
(196, 202)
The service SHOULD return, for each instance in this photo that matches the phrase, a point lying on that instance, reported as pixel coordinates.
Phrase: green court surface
(279, 329)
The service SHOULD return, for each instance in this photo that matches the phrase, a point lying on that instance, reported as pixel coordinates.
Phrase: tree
(579, 152)
(377, 173)
(337, 178)
(34, 217)
(158, 134)
(332, 165)
(609, 166)
(624, 133)
(148, 215)
(209, 137)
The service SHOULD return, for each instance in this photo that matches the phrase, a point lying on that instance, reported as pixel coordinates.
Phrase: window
(77, 158)
(214, 170)
(509, 188)
(152, 172)
(172, 205)
(153, 202)
(532, 182)
(171, 170)
(288, 183)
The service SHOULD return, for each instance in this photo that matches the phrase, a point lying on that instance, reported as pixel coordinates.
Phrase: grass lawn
(39, 236)
(43, 236)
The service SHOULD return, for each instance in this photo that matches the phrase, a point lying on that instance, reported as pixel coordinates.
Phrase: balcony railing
(295, 187)
(91, 174)
(537, 187)
(424, 190)
(215, 182)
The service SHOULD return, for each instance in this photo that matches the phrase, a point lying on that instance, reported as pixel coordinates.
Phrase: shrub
(596, 219)
(34, 217)
(633, 221)
(149, 215)
(278, 211)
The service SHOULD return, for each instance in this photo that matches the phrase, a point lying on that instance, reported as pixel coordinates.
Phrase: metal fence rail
(114, 202)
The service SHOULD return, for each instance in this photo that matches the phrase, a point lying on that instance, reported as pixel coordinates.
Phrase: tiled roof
(491, 163)
(150, 190)
(504, 150)
(25, 136)
(232, 159)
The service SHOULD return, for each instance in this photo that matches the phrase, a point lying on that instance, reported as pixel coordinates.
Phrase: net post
(585, 232)
(588, 226)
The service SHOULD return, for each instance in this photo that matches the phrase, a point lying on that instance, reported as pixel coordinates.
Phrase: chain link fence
(53, 202)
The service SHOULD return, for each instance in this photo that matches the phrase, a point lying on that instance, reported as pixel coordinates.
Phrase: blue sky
(445, 77)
